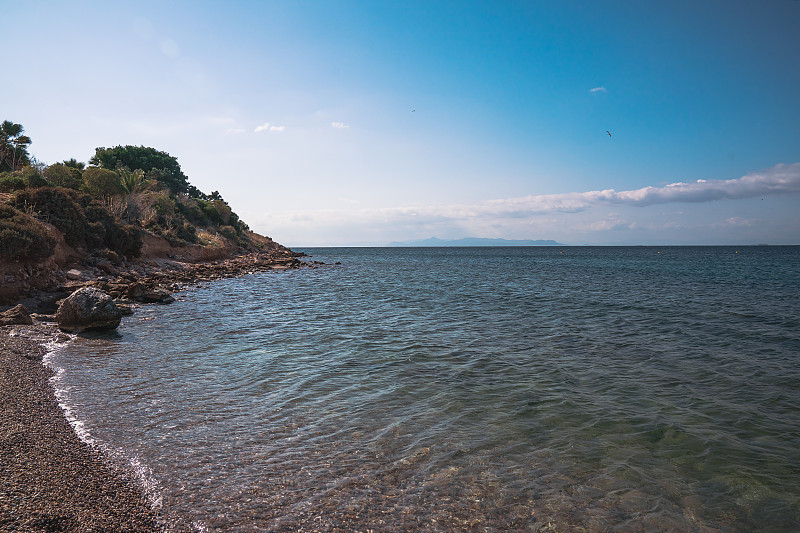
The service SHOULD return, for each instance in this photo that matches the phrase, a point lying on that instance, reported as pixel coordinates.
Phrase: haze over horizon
(362, 123)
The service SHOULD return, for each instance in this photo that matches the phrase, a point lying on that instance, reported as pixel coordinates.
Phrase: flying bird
(609, 133)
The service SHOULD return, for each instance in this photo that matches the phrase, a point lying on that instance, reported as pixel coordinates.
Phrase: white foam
(142, 472)
(62, 391)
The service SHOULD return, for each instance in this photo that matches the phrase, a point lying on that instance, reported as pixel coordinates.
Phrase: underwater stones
(17, 315)
(88, 309)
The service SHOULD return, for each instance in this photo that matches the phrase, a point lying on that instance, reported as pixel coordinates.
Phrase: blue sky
(329, 123)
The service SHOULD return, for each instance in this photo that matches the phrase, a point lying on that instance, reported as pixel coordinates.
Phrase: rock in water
(157, 295)
(15, 315)
(88, 309)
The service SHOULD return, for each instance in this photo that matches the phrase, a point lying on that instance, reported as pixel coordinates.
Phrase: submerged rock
(157, 295)
(17, 315)
(124, 308)
(88, 309)
(140, 293)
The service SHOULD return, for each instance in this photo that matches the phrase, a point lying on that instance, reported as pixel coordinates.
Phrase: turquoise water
(467, 389)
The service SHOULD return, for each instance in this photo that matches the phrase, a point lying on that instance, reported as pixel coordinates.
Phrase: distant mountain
(475, 241)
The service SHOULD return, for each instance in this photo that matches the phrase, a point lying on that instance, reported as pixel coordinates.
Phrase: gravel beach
(49, 479)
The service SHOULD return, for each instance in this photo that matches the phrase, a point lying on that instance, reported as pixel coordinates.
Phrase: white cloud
(600, 89)
(544, 211)
(268, 127)
(778, 179)
(234, 131)
(339, 125)
(736, 222)
(781, 178)
(607, 224)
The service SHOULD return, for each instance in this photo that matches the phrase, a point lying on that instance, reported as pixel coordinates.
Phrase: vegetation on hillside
(13, 146)
(105, 207)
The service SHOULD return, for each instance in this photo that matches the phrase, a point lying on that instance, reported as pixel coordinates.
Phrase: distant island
(475, 241)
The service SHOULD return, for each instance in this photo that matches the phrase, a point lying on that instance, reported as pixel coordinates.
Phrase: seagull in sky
(609, 133)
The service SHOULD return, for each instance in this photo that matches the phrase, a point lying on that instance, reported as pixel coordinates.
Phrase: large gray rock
(88, 309)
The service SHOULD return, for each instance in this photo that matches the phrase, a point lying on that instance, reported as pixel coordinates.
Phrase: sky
(366, 122)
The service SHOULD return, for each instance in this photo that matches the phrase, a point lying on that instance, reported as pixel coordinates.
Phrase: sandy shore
(49, 479)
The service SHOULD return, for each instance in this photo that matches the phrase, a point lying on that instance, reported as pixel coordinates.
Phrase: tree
(101, 182)
(74, 163)
(13, 147)
(157, 165)
(63, 175)
(131, 181)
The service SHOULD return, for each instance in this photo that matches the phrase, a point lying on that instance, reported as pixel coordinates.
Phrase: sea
(461, 389)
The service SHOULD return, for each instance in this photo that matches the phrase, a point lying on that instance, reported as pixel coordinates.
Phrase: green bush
(187, 232)
(59, 208)
(61, 175)
(33, 177)
(11, 182)
(22, 237)
(84, 221)
(157, 165)
(211, 212)
(122, 239)
(125, 240)
(100, 182)
(193, 211)
(229, 233)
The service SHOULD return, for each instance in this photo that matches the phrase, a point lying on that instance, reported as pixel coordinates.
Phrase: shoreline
(150, 280)
(50, 479)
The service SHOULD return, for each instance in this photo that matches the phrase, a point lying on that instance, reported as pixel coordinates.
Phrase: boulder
(135, 291)
(74, 274)
(88, 309)
(15, 315)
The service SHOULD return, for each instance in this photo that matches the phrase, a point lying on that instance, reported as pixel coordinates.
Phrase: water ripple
(610, 389)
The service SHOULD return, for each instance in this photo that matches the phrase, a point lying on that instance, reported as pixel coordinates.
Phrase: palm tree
(13, 147)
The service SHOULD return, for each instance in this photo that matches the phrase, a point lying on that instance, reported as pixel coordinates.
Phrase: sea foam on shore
(50, 479)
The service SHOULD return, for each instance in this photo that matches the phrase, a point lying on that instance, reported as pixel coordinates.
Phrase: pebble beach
(50, 480)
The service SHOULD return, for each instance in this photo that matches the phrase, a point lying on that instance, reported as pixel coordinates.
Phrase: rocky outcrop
(141, 281)
(88, 309)
(16, 316)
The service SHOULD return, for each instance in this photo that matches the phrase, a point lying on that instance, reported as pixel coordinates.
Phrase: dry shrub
(22, 237)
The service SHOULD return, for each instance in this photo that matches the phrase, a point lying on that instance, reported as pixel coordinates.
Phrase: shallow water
(480, 389)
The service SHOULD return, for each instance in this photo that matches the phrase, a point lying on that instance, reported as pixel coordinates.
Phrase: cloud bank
(565, 217)
(600, 89)
(779, 179)
(268, 127)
